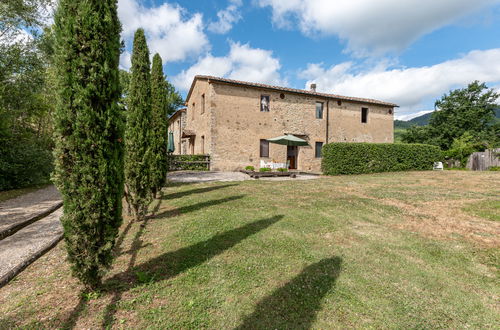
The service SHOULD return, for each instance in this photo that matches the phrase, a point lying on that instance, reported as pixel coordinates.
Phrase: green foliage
(264, 169)
(463, 147)
(159, 125)
(357, 158)
(250, 168)
(494, 168)
(187, 163)
(282, 169)
(138, 131)
(89, 133)
(24, 163)
(26, 104)
(471, 109)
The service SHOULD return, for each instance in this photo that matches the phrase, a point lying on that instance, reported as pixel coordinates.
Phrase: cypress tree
(159, 125)
(137, 132)
(89, 133)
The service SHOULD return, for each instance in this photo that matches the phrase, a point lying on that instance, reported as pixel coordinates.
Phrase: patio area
(211, 176)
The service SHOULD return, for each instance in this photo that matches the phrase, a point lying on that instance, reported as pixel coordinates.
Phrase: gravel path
(192, 176)
(20, 211)
(28, 244)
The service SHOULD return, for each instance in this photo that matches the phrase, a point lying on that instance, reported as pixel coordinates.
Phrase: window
(203, 144)
(264, 103)
(364, 115)
(193, 109)
(203, 103)
(319, 110)
(264, 148)
(317, 151)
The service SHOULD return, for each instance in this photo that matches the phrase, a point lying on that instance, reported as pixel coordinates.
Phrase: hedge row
(188, 163)
(357, 158)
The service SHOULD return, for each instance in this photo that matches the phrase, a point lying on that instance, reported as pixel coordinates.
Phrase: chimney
(313, 88)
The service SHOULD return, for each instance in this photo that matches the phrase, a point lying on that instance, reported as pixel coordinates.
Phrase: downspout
(327, 118)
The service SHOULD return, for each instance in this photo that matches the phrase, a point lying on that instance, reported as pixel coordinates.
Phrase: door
(291, 156)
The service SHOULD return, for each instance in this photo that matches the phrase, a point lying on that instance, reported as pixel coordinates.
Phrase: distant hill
(417, 121)
(424, 120)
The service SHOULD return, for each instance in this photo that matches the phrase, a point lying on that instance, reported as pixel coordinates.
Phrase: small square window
(264, 103)
(364, 115)
(319, 110)
(264, 148)
(317, 151)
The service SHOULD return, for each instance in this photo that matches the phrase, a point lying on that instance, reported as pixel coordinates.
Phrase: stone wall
(233, 125)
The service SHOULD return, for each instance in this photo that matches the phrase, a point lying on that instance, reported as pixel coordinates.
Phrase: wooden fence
(189, 162)
(482, 161)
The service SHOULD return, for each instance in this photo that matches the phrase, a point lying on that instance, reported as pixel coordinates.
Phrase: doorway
(291, 156)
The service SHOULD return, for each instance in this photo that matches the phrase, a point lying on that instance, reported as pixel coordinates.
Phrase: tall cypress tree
(137, 132)
(159, 125)
(88, 133)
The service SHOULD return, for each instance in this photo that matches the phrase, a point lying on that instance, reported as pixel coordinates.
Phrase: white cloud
(227, 18)
(242, 63)
(125, 60)
(169, 31)
(371, 26)
(413, 115)
(411, 88)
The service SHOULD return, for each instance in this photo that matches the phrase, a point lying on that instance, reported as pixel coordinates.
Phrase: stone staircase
(29, 227)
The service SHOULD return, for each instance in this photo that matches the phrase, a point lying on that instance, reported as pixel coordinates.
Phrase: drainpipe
(327, 118)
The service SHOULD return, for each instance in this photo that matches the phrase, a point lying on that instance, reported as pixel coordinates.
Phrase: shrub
(282, 169)
(494, 168)
(250, 168)
(24, 162)
(264, 169)
(356, 158)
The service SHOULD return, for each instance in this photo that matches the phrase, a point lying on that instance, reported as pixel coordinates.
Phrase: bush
(494, 168)
(24, 163)
(282, 169)
(250, 168)
(357, 158)
(264, 169)
(187, 163)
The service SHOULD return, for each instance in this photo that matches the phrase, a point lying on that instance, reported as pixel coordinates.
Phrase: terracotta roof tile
(290, 90)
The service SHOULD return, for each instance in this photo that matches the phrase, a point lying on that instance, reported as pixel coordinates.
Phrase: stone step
(19, 250)
(21, 211)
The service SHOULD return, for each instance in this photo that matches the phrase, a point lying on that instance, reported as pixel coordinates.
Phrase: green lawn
(392, 250)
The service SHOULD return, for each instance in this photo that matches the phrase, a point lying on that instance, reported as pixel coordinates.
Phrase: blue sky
(409, 52)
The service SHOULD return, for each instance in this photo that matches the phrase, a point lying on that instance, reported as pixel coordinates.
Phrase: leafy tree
(26, 94)
(16, 16)
(174, 99)
(471, 110)
(137, 134)
(462, 147)
(88, 133)
(159, 125)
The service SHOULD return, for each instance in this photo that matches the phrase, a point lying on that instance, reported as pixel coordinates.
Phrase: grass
(391, 250)
(488, 209)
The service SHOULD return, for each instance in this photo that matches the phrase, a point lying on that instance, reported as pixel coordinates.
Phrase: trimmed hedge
(357, 158)
(188, 162)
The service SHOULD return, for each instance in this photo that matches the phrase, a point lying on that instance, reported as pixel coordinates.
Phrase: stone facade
(224, 119)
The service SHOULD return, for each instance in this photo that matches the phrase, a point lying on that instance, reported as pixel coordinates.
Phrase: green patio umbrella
(289, 140)
(170, 145)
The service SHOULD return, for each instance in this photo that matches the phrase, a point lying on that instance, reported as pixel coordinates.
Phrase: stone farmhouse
(231, 121)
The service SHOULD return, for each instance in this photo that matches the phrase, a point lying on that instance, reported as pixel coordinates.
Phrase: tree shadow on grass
(294, 305)
(173, 263)
(195, 191)
(194, 207)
